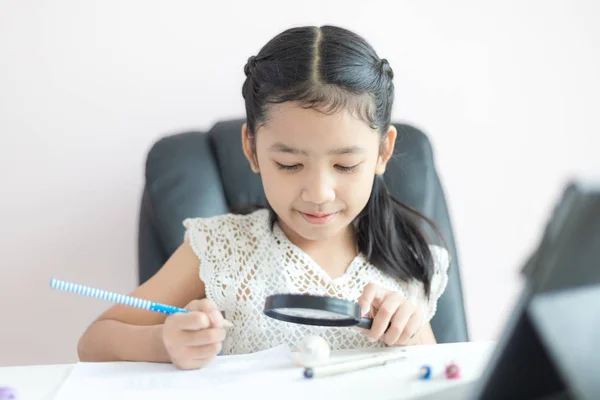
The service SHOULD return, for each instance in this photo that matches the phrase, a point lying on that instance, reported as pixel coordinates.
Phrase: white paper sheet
(271, 374)
(154, 380)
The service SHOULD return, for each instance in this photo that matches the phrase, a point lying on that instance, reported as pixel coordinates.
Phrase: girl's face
(317, 170)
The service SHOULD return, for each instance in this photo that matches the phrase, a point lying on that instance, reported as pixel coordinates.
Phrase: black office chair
(202, 174)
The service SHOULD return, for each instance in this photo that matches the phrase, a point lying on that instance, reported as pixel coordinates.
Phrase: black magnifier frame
(315, 310)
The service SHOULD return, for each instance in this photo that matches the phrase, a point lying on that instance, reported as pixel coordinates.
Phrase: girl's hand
(193, 339)
(388, 308)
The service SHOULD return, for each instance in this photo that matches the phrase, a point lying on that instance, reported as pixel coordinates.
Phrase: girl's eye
(284, 167)
(347, 169)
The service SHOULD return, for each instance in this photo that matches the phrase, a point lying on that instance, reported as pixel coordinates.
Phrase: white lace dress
(242, 261)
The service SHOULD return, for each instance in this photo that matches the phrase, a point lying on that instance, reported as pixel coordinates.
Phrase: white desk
(42, 381)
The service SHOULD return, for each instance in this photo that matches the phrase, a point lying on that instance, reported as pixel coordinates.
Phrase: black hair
(329, 68)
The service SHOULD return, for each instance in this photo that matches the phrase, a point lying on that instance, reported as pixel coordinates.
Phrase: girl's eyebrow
(283, 148)
(346, 150)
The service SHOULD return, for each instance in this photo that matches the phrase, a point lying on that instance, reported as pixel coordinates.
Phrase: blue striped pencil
(120, 298)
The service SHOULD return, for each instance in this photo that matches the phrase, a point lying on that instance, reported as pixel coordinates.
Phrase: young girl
(318, 106)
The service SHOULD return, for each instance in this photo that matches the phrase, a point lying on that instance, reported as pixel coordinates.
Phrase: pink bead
(452, 371)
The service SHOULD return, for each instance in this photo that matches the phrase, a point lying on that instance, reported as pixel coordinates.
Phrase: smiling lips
(318, 219)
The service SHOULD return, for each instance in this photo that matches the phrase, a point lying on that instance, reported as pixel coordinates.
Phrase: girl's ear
(248, 147)
(386, 151)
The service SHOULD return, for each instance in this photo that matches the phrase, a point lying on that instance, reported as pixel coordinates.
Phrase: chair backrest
(202, 174)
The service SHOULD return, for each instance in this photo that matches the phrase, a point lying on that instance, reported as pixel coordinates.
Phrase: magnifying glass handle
(365, 323)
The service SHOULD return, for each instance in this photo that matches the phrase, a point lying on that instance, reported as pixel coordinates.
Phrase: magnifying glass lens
(310, 313)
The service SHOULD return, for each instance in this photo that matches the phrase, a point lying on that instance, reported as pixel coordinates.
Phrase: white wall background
(507, 90)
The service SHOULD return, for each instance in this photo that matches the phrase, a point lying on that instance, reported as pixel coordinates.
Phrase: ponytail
(388, 234)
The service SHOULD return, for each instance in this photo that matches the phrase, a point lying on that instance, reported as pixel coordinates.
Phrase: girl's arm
(125, 333)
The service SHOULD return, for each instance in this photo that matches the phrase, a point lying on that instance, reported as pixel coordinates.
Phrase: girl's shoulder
(439, 280)
(226, 232)
(255, 219)
(441, 259)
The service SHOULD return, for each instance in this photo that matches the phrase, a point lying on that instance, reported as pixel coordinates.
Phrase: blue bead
(425, 372)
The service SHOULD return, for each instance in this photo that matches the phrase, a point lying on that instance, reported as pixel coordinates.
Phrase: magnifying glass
(315, 310)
